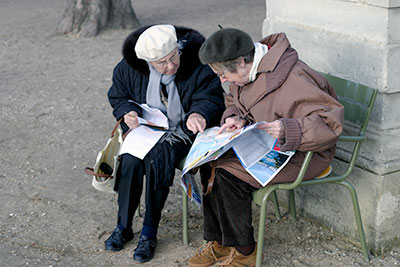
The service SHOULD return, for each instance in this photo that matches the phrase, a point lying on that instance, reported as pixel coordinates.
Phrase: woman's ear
(241, 62)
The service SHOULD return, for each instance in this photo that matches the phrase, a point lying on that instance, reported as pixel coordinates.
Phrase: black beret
(224, 45)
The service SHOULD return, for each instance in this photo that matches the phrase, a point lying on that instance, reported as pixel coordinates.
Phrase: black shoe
(118, 238)
(145, 249)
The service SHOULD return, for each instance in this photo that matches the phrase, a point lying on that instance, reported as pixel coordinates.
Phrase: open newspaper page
(152, 117)
(210, 145)
(258, 152)
(152, 127)
(189, 184)
(268, 166)
(252, 146)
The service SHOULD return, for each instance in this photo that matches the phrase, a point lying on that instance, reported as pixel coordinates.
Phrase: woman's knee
(130, 167)
(128, 159)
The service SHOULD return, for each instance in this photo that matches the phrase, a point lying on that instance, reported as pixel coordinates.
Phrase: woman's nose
(170, 66)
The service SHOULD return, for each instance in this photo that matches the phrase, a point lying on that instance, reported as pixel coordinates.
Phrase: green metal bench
(358, 101)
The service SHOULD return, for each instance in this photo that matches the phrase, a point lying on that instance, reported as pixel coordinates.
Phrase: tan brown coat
(287, 89)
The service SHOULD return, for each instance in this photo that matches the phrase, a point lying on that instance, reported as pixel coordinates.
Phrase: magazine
(258, 152)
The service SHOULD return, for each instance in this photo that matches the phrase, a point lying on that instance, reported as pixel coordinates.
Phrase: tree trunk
(89, 17)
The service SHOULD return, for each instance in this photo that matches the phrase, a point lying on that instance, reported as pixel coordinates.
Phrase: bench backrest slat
(356, 98)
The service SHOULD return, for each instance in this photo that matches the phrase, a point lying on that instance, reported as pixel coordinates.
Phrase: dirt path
(54, 117)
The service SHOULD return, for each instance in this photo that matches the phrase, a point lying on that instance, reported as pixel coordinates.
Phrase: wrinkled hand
(196, 123)
(131, 120)
(232, 124)
(276, 128)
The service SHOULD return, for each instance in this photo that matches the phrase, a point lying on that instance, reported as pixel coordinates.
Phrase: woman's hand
(231, 124)
(196, 123)
(131, 120)
(276, 128)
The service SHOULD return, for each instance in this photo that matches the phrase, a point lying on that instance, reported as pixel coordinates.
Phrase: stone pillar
(358, 40)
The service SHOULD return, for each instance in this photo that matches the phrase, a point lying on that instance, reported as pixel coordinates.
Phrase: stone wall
(358, 40)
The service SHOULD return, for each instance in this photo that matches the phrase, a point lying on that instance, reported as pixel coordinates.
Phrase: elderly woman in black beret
(268, 83)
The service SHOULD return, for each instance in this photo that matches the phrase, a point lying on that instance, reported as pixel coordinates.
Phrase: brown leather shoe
(236, 259)
(208, 254)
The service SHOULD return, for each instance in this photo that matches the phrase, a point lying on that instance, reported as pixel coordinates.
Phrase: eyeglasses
(221, 75)
(173, 59)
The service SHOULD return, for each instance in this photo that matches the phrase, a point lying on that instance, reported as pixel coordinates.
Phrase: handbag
(107, 161)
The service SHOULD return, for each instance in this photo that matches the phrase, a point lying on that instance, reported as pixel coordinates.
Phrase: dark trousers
(131, 173)
(227, 211)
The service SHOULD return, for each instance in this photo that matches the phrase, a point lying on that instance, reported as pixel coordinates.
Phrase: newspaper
(209, 145)
(189, 184)
(258, 152)
(152, 117)
(142, 139)
(262, 166)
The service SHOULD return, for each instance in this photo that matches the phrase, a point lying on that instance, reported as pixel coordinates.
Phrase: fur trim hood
(189, 41)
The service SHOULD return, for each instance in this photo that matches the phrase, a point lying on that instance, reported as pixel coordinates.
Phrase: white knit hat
(156, 42)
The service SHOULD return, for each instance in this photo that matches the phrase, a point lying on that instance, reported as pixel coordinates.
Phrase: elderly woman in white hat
(160, 68)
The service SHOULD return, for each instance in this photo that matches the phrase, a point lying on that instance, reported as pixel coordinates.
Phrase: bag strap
(125, 134)
(91, 172)
(116, 126)
(210, 180)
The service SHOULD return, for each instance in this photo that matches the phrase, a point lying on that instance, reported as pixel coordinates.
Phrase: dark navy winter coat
(199, 89)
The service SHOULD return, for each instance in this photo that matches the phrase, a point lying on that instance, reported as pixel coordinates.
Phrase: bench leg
(292, 204)
(261, 228)
(276, 206)
(357, 214)
(185, 218)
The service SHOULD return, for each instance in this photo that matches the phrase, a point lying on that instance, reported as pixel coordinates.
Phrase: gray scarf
(174, 111)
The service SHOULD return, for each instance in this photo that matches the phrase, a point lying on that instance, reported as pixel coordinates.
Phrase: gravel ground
(55, 117)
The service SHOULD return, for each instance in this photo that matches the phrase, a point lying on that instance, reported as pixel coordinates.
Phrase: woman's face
(240, 77)
(169, 64)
